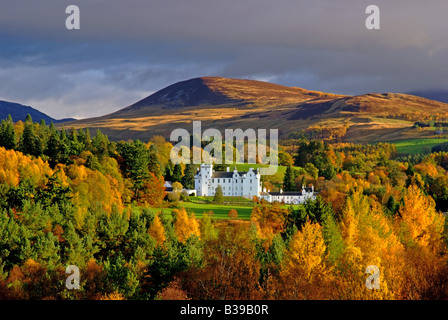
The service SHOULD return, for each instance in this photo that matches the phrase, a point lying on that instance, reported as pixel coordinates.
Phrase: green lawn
(415, 146)
(220, 211)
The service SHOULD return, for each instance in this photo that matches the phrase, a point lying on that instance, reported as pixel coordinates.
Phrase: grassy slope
(220, 211)
(415, 146)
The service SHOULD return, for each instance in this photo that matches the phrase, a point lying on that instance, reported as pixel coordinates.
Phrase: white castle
(233, 183)
(243, 184)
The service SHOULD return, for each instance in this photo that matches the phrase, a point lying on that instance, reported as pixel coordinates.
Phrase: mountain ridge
(224, 103)
(19, 112)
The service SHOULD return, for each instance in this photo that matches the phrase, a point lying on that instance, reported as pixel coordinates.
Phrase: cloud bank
(125, 51)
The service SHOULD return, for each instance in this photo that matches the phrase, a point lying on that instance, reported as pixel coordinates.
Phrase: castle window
(218, 180)
(213, 180)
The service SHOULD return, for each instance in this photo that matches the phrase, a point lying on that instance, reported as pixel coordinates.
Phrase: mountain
(224, 103)
(19, 112)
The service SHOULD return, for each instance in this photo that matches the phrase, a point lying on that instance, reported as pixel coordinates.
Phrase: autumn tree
(230, 269)
(269, 220)
(185, 226)
(420, 223)
(233, 214)
(152, 191)
(208, 230)
(157, 231)
(177, 187)
(306, 274)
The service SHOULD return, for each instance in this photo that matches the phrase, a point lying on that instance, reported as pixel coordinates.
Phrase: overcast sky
(126, 50)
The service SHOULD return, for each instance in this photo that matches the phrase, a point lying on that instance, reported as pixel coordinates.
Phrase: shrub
(233, 214)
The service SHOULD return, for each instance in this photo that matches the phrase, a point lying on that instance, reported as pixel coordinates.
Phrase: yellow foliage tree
(369, 240)
(113, 296)
(185, 226)
(419, 223)
(307, 250)
(157, 231)
(306, 274)
(15, 166)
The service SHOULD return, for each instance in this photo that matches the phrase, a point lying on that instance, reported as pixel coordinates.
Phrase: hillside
(19, 112)
(234, 103)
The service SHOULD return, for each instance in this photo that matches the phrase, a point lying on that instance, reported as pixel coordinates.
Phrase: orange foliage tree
(153, 191)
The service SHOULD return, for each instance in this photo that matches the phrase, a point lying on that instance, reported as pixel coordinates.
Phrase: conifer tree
(29, 141)
(168, 172)
(288, 180)
(188, 178)
(219, 196)
(7, 134)
(177, 173)
(153, 162)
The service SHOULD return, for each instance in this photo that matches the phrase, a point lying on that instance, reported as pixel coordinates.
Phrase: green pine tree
(29, 142)
(177, 173)
(288, 180)
(153, 162)
(219, 196)
(188, 178)
(7, 134)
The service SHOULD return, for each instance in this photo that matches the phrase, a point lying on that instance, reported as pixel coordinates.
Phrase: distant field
(415, 146)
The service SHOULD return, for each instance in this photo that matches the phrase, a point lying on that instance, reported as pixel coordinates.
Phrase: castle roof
(222, 174)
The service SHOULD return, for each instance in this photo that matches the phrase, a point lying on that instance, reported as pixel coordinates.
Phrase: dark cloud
(127, 50)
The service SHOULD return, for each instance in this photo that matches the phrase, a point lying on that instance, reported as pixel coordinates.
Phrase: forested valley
(67, 198)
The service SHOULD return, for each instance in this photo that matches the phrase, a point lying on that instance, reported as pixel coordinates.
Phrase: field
(220, 211)
(415, 146)
(199, 205)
